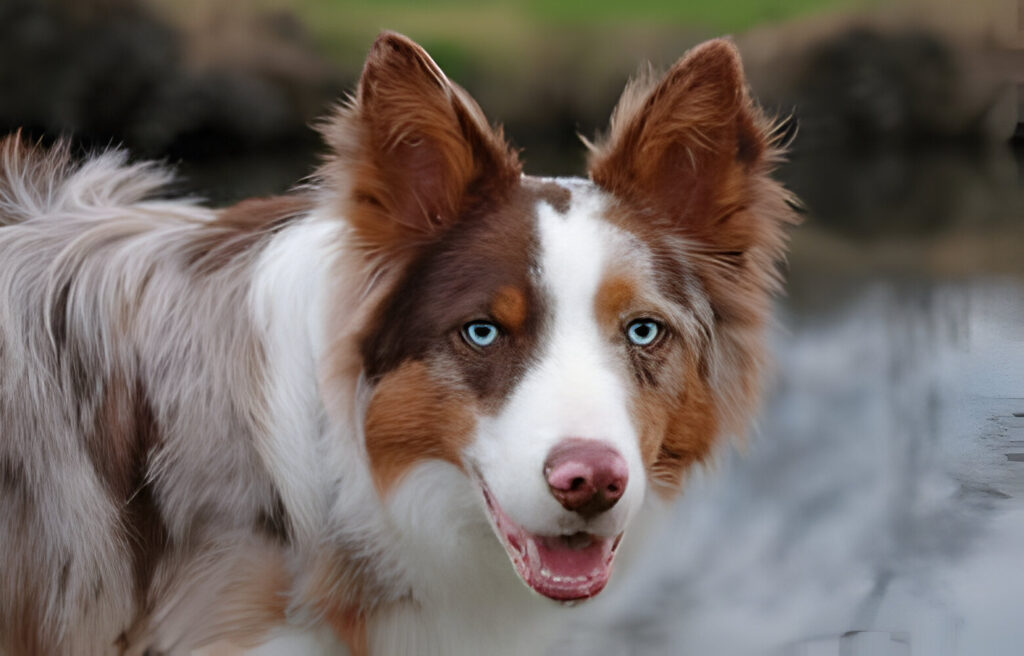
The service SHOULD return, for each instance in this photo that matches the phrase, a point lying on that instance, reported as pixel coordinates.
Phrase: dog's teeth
(532, 553)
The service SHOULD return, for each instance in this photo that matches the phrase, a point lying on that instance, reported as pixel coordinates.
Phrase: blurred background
(879, 506)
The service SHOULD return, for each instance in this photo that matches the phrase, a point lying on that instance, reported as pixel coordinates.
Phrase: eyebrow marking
(613, 298)
(509, 307)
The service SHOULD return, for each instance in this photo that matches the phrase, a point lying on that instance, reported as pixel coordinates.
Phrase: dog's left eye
(480, 333)
(643, 332)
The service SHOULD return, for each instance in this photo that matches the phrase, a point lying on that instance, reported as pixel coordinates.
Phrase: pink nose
(586, 476)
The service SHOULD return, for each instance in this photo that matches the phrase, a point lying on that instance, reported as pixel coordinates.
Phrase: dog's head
(566, 345)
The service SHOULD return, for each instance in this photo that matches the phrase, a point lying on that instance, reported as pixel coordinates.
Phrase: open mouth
(560, 567)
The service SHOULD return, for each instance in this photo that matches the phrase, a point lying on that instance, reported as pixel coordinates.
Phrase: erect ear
(691, 154)
(412, 150)
(685, 146)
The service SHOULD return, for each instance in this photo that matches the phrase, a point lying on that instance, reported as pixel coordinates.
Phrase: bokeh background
(878, 508)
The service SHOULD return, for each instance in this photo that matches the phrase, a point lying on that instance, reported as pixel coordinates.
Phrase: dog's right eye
(643, 332)
(480, 333)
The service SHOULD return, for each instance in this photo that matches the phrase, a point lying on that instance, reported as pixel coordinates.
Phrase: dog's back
(57, 387)
(123, 337)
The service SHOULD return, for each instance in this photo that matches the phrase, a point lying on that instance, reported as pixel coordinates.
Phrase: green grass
(498, 28)
(714, 14)
(720, 15)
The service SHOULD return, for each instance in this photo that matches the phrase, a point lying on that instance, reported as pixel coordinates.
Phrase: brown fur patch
(254, 602)
(239, 227)
(124, 435)
(614, 298)
(350, 626)
(342, 586)
(552, 193)
(234, 599)
(678, 425)
(414, 416)
(21, 635)
(509, 308)
(273, 522)
(22, 616)
(257, 600)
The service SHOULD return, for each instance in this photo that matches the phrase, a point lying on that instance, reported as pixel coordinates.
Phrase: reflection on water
(877, 495)
(876, 192)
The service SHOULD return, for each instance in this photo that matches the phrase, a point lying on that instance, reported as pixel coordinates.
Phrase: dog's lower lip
(565, 568)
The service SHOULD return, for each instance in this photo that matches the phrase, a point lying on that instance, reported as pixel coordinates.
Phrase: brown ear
(691, 155)
(412, 150)
(683, 146)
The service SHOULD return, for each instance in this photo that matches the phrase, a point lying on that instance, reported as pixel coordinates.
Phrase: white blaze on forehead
(574, 250)
(577, 387)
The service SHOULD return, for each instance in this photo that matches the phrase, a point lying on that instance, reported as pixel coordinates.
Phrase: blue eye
(643, 332)
(480, 333)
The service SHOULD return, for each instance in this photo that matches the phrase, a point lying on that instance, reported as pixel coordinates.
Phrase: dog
(394, 410)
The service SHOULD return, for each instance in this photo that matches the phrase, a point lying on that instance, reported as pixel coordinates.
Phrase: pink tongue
(556, 555)
(567, 568)
(564, 568)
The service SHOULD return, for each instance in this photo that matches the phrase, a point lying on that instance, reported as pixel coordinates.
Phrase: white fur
(465, 592)
(296, 642)
(576, 389)
(289, 301)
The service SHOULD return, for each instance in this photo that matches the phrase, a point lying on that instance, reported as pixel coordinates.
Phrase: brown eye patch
(429, 384)
(673, 405)
(482, 268)
(618, 305)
